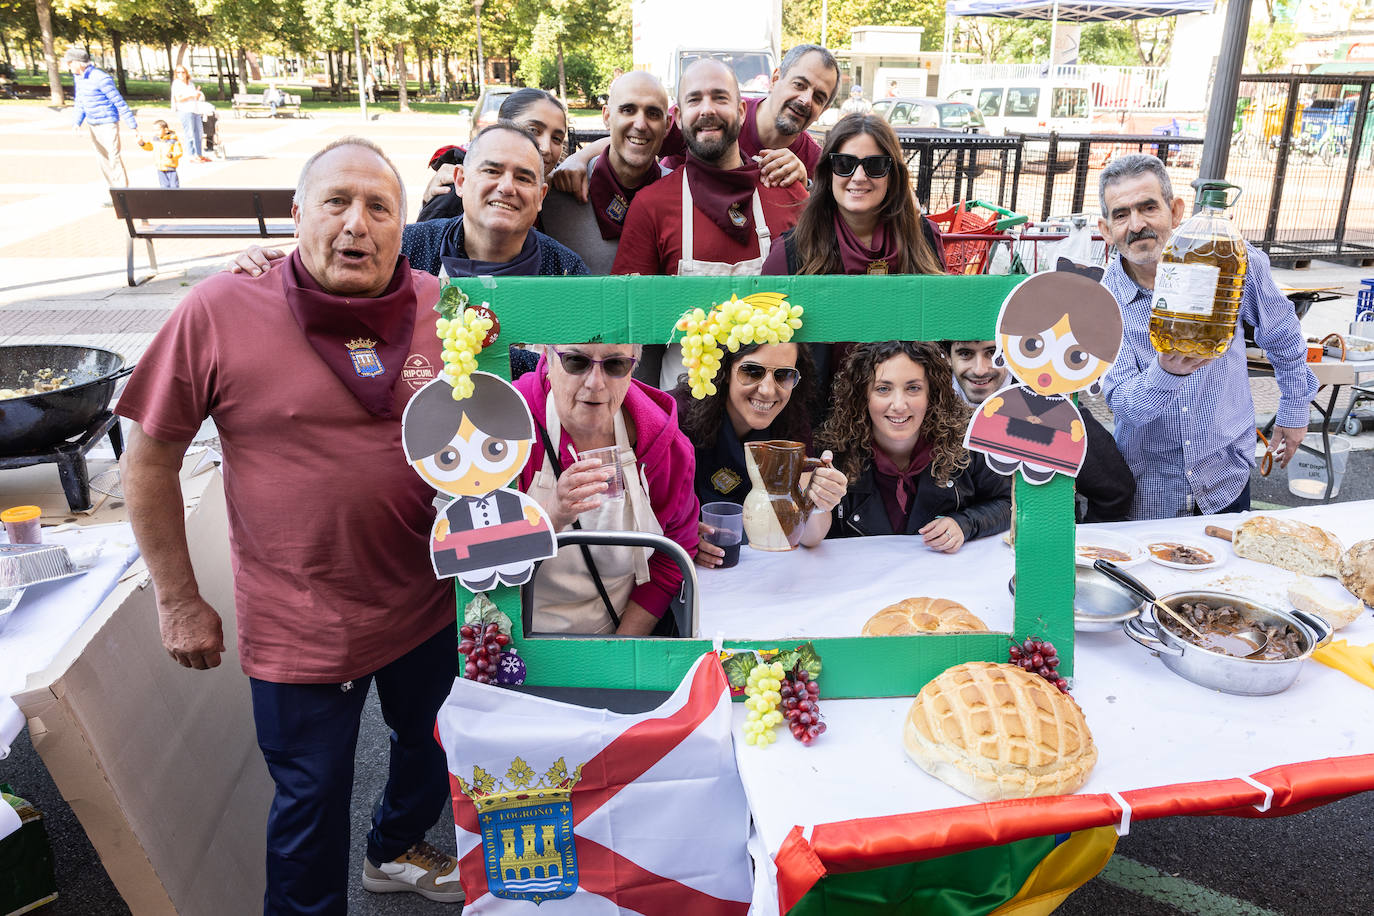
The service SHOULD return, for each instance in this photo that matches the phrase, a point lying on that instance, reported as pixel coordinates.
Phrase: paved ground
(62, 278)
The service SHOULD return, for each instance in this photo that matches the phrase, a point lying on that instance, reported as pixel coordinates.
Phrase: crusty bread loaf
(996, 731)
(1287, 544)
(923, 615)
(1357, 571)
(1306, 595)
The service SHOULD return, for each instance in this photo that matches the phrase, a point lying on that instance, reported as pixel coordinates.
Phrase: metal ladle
(1254, 638)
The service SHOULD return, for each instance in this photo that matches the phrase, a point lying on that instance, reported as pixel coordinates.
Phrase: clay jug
(776, 510)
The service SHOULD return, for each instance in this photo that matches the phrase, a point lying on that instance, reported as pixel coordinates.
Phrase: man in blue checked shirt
(100, 108)
(1186, 426)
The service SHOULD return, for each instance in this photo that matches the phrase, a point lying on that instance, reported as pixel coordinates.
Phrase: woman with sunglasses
(583, 398)
(862, 217)
(897, 431)
(762, 392)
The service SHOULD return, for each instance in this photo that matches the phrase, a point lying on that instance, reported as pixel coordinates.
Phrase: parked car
(488, 104)
(931, 113)
(1031, 106)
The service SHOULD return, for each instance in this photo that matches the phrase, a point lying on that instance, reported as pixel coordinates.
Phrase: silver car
(927, 114)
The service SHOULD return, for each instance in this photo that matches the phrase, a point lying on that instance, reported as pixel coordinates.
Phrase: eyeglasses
(581, 364)
(843, 164)
(753, 373)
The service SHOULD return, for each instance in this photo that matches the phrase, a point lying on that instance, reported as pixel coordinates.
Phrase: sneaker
(423, 870)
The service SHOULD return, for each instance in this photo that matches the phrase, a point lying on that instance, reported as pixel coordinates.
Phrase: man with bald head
(300, 367)
(636, 114)
(714, 216)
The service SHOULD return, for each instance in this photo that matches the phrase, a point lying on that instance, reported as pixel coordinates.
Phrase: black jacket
(1105, 486)
(978, 498)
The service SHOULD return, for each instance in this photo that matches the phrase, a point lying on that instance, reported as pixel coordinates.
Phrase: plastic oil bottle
(1199, 279)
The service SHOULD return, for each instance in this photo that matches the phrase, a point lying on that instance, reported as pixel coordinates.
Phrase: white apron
(566, 600)
(688, 266)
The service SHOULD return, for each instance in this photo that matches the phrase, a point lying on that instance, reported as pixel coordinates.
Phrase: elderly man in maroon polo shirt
(301, 370)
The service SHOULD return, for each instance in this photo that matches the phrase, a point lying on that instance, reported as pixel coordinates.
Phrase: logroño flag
(565, 809)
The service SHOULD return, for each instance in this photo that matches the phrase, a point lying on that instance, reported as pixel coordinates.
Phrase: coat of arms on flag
(366, 362)
(651, 818)
(527, 830)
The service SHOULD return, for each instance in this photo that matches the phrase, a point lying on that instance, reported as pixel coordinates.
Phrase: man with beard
(1104, 487)
(1185, 425)
(714, 216)
(772, 131)
(636, 113)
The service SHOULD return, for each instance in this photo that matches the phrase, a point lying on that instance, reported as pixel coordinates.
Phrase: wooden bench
(165, 208)
(246, 103)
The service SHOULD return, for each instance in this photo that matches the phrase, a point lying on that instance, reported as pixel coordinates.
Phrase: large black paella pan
(42, 421)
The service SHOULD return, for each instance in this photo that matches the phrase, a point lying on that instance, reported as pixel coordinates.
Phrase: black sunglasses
(580, 363)
(843, 164)
(753, 373)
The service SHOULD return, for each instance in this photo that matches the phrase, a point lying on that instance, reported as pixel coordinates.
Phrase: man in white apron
(713, 217)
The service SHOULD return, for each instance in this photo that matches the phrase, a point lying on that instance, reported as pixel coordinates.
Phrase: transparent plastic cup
(728, 521)
(609, 457)
(1307, 474)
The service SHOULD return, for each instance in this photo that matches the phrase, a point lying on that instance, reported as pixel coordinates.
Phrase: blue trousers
(192, 132)
(168, 179)
(308, 734)
(1240, 504)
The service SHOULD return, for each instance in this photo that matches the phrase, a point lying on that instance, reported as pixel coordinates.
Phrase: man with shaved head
(300, 367)
(636, 114)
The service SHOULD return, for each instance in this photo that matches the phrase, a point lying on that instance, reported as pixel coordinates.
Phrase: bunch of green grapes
(462, 337)
(763, 318)
(762, 697)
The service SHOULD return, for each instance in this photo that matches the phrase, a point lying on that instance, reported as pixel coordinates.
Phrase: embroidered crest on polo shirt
(617, 209)
(736, 215)
(365, 360)
(725, 480)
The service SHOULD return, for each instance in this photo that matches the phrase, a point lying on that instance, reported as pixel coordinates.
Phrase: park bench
(200, 213)
(246, 103)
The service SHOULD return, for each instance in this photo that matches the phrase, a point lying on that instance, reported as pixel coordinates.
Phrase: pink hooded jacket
(669, 464)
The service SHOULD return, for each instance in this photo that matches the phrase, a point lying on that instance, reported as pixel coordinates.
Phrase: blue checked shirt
(1190, 440)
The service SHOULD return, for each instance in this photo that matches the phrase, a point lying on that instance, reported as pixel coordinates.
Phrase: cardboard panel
(837, 308)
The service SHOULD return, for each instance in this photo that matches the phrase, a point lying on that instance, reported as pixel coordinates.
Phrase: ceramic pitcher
(776, 510)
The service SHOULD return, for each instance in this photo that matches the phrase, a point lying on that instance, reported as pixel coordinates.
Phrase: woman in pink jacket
(582, 399)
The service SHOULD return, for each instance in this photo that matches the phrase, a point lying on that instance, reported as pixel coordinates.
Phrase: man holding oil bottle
(1185, 421)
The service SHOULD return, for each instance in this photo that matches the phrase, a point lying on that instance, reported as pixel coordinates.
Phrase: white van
(1030, 106)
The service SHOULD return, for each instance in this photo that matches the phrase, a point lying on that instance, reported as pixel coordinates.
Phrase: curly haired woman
(897, 431)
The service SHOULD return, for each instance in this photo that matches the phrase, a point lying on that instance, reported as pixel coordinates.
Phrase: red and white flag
(564, 809)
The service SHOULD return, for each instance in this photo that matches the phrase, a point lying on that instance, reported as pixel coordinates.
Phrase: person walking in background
(100, 108)
(167, 148)
(186, 104)
(856, 104)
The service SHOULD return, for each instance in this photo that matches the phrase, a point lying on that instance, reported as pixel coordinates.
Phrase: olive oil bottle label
(1185, 289)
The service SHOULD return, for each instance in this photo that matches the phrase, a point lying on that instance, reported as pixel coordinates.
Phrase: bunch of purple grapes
(801, 706)
(1039, 657)
(483, 651)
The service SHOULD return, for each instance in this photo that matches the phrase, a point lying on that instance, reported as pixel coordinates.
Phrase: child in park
(167, 148)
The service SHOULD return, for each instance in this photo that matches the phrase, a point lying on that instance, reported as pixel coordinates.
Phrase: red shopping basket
(967, 236)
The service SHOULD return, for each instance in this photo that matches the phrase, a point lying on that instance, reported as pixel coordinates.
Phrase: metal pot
(1098, 604)
(42, 421)
(1227, 673)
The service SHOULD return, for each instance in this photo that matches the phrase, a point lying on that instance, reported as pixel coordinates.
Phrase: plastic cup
(609, 457)
(22, 524)
(1307, 475)
(728, 521)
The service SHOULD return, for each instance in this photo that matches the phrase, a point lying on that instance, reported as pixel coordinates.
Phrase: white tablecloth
(48, 615)
(1151, 727)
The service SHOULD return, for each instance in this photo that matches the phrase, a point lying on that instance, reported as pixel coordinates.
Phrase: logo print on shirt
(417, 371)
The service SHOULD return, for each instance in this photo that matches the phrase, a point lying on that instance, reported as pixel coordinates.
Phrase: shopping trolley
(968, 237)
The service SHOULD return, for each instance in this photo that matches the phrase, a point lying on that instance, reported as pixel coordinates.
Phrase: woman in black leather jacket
(897, 431)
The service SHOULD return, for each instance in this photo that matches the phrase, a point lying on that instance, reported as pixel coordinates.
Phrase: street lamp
(481, 65)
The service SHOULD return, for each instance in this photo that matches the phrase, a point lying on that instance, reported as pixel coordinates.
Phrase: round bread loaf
(923, 615)
(1288, 544)
(1357, 571)
(996, 731)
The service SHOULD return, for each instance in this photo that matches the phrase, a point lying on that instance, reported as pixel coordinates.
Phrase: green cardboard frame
(837, 308)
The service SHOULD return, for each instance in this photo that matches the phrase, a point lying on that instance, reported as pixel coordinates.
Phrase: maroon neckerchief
(726, 196)
(898, 487)
(330, 323)
(610, 199)
(859, 258)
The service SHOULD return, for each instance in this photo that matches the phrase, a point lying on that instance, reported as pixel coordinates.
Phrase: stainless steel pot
(1099, 605)
(1227, 673)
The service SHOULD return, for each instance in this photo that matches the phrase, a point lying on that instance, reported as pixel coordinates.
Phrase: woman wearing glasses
(762, 392)
(861, 217)
(897, 432)
(582, 398)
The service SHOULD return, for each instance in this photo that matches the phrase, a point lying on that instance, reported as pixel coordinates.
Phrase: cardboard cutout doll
(471, 449)
(1058, 332)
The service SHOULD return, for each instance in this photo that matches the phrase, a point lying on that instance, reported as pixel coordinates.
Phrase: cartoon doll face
(473, 463)
(1059, 332)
